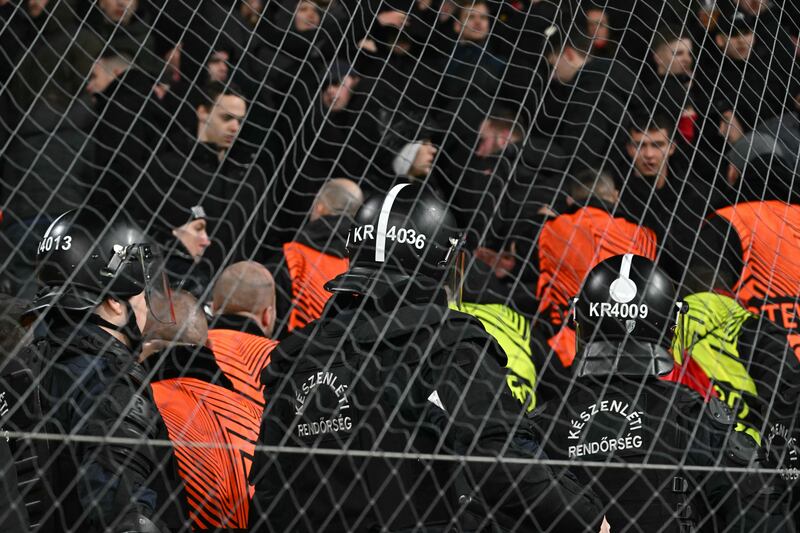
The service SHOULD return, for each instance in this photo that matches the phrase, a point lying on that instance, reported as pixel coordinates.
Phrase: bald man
(190, 326)
(199, 404)
(316, 255)
(244, 309)
(338, 196)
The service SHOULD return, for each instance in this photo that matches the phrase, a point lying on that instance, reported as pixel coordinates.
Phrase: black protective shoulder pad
(720, 414)
(742, 449)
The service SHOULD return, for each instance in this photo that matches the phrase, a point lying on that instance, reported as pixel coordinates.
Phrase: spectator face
(597, 28)
(194, 237)
(172, 59)
(495, 137)
(221, 124)
(650, 151)
(753, 7)
(674, 58)
(738, 46)
(337, 95)
(118, 11)
(307, 17)
(251, 10)
(473, 23)
(35, 7)
(218, 66)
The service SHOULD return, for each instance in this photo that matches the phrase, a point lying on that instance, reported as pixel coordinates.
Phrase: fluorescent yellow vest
(512, 331)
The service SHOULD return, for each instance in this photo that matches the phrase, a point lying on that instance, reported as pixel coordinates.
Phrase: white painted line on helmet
(383, 222)
(625, 269)
(623, 289)
(53, 223)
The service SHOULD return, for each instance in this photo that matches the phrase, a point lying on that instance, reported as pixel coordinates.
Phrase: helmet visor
(455, 264)
(157, 292)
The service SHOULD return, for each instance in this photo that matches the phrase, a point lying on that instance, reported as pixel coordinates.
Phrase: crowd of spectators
(246, 107)
(265, 124)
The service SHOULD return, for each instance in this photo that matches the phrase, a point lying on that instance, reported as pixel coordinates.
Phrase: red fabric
(691, 375)
(686, 126)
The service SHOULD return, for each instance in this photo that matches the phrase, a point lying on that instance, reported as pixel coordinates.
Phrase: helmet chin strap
(130, 329)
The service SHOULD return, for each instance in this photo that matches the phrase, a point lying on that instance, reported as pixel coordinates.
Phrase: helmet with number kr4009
(625, 317)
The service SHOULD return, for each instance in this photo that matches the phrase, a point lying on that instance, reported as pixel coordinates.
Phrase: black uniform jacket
(400, 378)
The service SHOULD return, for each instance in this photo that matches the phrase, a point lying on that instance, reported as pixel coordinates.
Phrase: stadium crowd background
(653, 114)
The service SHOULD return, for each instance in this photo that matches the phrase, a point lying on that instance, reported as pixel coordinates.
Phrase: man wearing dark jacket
(244, 309)
(230, 192)
(619, 411)
(748, 83)
(315, 255)
(389, 368)
(129, 126)
(584, 101)
(667, 88)
(13, 506)
(657, 192)
(182, 233)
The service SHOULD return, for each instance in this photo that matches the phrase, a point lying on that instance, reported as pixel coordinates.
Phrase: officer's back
(15, 381)
(389, 369)
(619, 412)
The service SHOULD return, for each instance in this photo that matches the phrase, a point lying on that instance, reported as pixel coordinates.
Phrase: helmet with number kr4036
(408, 234)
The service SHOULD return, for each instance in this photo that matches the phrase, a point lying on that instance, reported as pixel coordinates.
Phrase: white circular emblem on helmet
(623, 289)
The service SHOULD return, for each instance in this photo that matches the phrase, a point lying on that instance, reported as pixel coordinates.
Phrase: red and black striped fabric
(242, 357)
(309, 270)
(197, 412)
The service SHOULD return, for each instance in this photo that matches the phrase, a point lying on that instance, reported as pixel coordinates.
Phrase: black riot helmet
(624, 317)
(84, 259)
(408, 234)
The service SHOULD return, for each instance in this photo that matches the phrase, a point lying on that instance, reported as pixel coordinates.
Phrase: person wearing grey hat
(191, 230)
(181, 231)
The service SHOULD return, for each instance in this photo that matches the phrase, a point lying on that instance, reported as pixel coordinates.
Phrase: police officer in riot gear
(619, 410)
(99, 278)
(389, 368)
